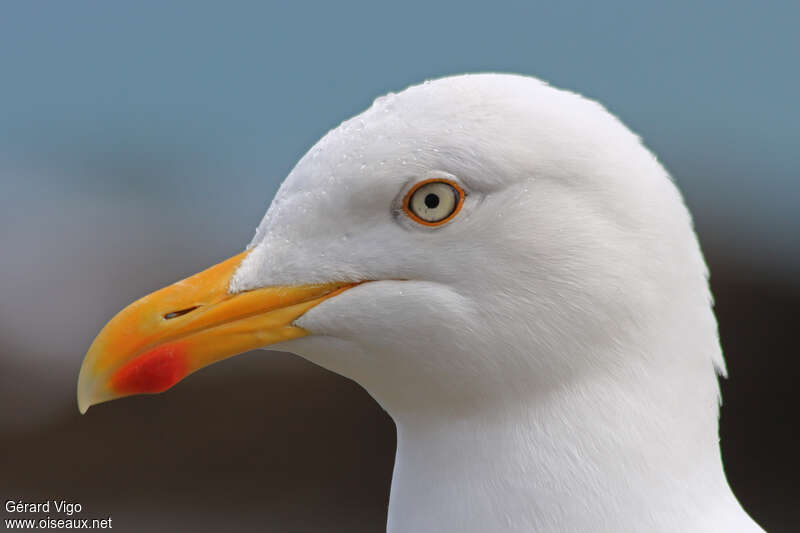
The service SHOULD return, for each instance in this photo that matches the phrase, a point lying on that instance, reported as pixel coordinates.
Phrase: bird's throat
(607, 454)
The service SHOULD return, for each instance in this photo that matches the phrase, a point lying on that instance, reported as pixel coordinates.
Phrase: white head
(572, 243)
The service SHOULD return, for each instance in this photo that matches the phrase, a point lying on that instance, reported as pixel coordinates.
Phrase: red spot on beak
(153, 371)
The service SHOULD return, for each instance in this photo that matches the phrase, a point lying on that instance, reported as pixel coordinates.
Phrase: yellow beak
(165, 336)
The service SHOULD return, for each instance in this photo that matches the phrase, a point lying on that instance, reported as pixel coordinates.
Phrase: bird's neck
(631, 450)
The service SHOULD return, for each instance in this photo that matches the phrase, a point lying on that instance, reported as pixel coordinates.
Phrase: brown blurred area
(270, 442)
(758, 318)
(267, 442)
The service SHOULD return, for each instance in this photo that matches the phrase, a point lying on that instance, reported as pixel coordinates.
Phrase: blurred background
(142, 141)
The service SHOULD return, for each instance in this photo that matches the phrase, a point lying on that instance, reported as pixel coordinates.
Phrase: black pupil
(431, 201)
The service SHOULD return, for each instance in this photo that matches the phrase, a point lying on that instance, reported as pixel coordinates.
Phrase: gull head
(555, 242)
(468, 241)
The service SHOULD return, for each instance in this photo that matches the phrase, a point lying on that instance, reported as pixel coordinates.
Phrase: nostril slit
(175, 314)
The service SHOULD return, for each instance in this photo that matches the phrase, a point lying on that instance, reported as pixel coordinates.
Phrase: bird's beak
(165, 336)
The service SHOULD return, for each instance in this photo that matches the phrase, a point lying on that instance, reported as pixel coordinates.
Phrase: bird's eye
(433, 202)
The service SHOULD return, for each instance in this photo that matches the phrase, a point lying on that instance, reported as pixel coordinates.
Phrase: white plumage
(549, 355)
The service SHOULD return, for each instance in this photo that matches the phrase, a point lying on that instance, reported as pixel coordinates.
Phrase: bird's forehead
(487, 130)
(457, 123)
(447, 123)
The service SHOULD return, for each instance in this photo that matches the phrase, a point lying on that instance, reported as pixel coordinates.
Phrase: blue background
(205, 107)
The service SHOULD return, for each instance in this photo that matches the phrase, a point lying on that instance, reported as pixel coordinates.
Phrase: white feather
(549, 355)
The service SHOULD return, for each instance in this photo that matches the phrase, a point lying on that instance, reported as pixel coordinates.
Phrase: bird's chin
(338, 355)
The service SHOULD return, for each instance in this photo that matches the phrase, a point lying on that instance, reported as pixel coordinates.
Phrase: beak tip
(84, 392)
(83, 401)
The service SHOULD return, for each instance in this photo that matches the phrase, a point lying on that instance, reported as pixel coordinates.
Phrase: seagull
(513, 277)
